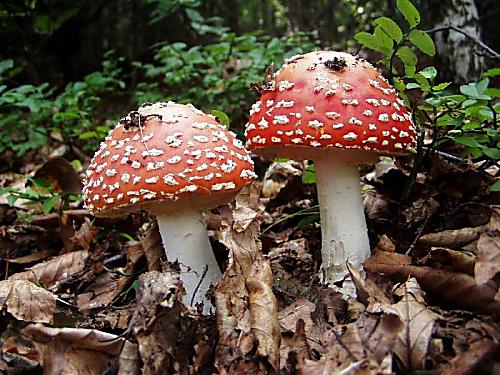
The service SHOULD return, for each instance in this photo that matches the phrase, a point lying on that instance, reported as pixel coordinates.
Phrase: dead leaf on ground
(488, 250)
(85, 235)
(246, 306)
(451, 260)
(471, 361)
(26, 301)
(445, 287)
(74, 350)
(362, 347)
(453, 238)
(277, 176)
(166, 330)
(413, 341)
(49, 273)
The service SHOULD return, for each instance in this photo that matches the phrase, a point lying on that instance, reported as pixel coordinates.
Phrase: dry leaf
(50, 272)
(129, 362)
(246, 306)
(74, 350)
(26, 301)
(470, 361)
(445, 287)
(277, 176)
(454, 238)
(452, 260)
(166, 331)
(85, 235)
(362, 347)
(413, 340)
(488, 250)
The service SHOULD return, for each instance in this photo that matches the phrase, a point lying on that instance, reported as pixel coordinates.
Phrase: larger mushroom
(174, 161)
(335, 109)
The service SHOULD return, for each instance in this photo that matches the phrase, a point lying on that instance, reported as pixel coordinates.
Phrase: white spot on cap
(151, 180)
(350, 136)
(384, 117)
(152, 152)
(347, 87)
(350, 101)
(247, 173)
(338, 126)
(354, 121)
(200, 138)
(315, 124)
(332, 115)
(285, 104)
(373, 102)
(315, 144)
(325, 136)
(368, 112)
(371, 140)
(285, 85)
(111, 172)
(275, 140)
(136, 165)
(170, 180)
(263, 124)
(296, 140)
(281, 119)
(174, 159)
(309, 108)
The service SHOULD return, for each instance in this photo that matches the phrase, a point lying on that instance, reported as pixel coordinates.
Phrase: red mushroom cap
(166, 151)
(330, 99)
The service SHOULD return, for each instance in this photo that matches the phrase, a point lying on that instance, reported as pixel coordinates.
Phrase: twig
(205, 270)
(492, 53)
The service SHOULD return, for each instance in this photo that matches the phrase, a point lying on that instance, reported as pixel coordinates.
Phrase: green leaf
(441, 86)
(410, 13)
(391, 28)
(308, 220)
(384, 42)
(407, 56)
(493, 92)
(11, 199)
(222, 117)
(368, 40)
(493, 153)
(495, 186)
(430, 72)
(412, 85)
(422, 41)
(467, 141)
(309, 175)
(49, 203)
(492, 72)
(6, 65)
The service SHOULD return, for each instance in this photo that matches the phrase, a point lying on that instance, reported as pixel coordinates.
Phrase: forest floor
(85, 295)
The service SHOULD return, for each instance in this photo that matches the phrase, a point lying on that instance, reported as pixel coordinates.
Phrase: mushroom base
(343, 226)
(185, 240)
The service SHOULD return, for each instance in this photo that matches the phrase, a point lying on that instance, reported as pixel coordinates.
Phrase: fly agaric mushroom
(337, 110)
(172, 160)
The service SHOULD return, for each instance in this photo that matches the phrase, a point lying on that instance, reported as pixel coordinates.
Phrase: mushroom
(174, 161)
(337, 110)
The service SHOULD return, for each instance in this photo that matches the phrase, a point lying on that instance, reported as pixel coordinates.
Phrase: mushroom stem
(185, 239)
(343, 226)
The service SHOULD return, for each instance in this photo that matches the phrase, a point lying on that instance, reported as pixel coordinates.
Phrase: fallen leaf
(277, 176)
(48, 273)
(444, 287)
(451, 260)
(85, 235)
(246, 307)
(362, 347)
(61, 174)
(413, 341)
(454, 238)
(471, 361)
(74, 350)
(26, 301)
(488, 250)
(129, 362)
(164, 328)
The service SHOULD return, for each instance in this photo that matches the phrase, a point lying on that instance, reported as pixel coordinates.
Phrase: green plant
(31, 112)
(468, 118)
(43, 193)
(218, 75)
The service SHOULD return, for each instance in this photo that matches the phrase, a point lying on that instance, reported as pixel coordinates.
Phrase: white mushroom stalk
(343, 227)
(186, 241)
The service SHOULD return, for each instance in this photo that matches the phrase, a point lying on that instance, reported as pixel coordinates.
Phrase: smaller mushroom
(174, 161)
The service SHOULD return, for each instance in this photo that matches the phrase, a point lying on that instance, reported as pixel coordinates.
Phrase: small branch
(492, 53)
